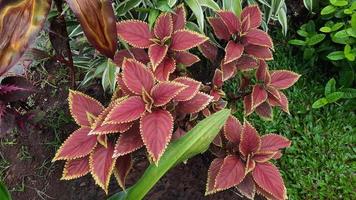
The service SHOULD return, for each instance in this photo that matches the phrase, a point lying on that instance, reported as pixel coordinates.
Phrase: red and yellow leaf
(259, 95)
(156, 54)
(209, 50)
(164, 69)
(274, 142)
(246, 63)
(212, 173)
(231, 173)
(219, 27)
(135, 53)
(79, 144)
(190, 91)
(164, 92)
(264, 110)
(250, 141)
(259, 52)
(156, 132)
(282, 102)
(248, 109)
(76, 168)
(247, 187)
(137, 76)
(255, 15)
(183, 40)
(250, 164)
(136, 33)
(233, 130)
(263, 156)
(196, 104)
(231, 21)
(20, 22)
(122, 168)
(185, 58)
(233, 51)
(126, 111)
(259, 38)
(229, 70)
(163, 28)
(128, 142)
(97, 20)
(283, 79)
(178, 17)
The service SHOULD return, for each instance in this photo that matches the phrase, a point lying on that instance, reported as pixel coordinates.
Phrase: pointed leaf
(231, 21)
(126, 111)
(274, 142)
(247, 187)
(233, 51)
(233, 130)
(15, 88)
(156, 132)
(136, 33)
(128, 142)
(209, 50)
(262, 73)
(196, 104)
(219, 27)
(255, 15)
(263, 156)
(76, 168)
(283, 79)
(156, 54)
(231, 173)
(135, 53)
(77, 145)
(178, 17)
(282, 102)
(250, 140)
(246, 63)
(122, 168)
(185, 58)
(137, 76)
(248, 109)
(97, 20)
(229, 70)
(190, 91)
(218, 80)
(259, 38)
(164, 69)
(264, 110)
(259, 52)
(212, 173)
(164, 26)
(267, 176)
(20, 23)
(259, 95)
(183, 40)
(164, 92)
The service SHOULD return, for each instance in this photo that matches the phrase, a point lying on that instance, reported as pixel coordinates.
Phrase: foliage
(4, 193)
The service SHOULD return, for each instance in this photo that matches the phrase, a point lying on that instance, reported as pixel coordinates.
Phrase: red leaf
(250, 164)
(283, 79)
(137, 54)
(82, 107)
(128, 142)
(259, 38)
(196, 104)
(219, 28)
(178, 17)
(247, 187)
(233, 130)
(76, 168)
(255, 15)
(212, 173)
(264, 110)
(233, 51)
(163, 26)
(126, 111)
(246, 63)
(156, 132)
(185, 58)
(209, 50)
(245, 25)
(282, 102)
(136, 33)
(248, 105)
(262, 73)
(178, 133)
(163, 70)
(157, 53)
(250, 140)
(77, 145)
(274, 142)
(277, 155)
(259, 95)
(183, 40)
(136, 76)
(190, 91)
(218, 78)
(267, 177)
(231, 173)
(102, 165)
(274, 92)
(122, 168)
(229, 70)
(121, 84)
(231, 21)
(259, 52)
(164, 92)
(263, 156)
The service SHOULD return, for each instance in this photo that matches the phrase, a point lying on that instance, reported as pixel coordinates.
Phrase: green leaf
(4, 193)
(325, 29)
(171, 3)
(315, 39)
(341, 34)
(282, 18)
(302, 33)
(346, 76)
(333, 97)
(210, 4)
(320, 103)
(126, 6)
(330, 87)
(339, 3)
(163, 6)
(337, 26)
(108, 80)
(336, 55)
(349, 93)
(198, 12)
(297, 42)
(348, 11)
(328, 10)
(311, 5)
(194, 142)
(233, 5)
(152, 16)
(308, 53)
(351, 32)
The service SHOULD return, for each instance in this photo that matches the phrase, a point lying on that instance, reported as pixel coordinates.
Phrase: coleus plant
(244, 162)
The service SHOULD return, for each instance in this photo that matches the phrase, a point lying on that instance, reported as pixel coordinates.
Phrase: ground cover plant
(160, 111)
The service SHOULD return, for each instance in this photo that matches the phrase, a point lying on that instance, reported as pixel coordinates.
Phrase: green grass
(320, 164)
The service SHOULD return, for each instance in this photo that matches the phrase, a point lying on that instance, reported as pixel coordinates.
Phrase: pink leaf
(209, 50)
(185, 58)
(263, 156)
(102, 165)
(262, 73)
(82, 107)
(136, 76)
(163, 26)
(246, 63)
(136, 53)
(126, 111)
(274, 142)
(233, 51)
(183, 40)
(122, 85)
(250, 164)
(267, 177)
(136, 33)
(259, 95)
(76, 168)
(77, 145)
(219, 28)
(164, 92)
(283, 79)
(264, 110)
(247, 187)
(164, 69)
(231, 21)
(255, 15)
(218, 78)
(231, 173)
(233, 130)
(259, 38)
(128, 142)
(156, 132)
(190, 91)
(157, 53)
(282, 102)
(248, 109)
(229, 70)
(250, 140)
(196, 104)
(122, 168)
(212, 173)
(259, 52)
(178, 17)
(245, 25)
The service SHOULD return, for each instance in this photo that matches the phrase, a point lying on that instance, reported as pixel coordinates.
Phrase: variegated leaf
(76, 168)
(190, 91)
(250, 141)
